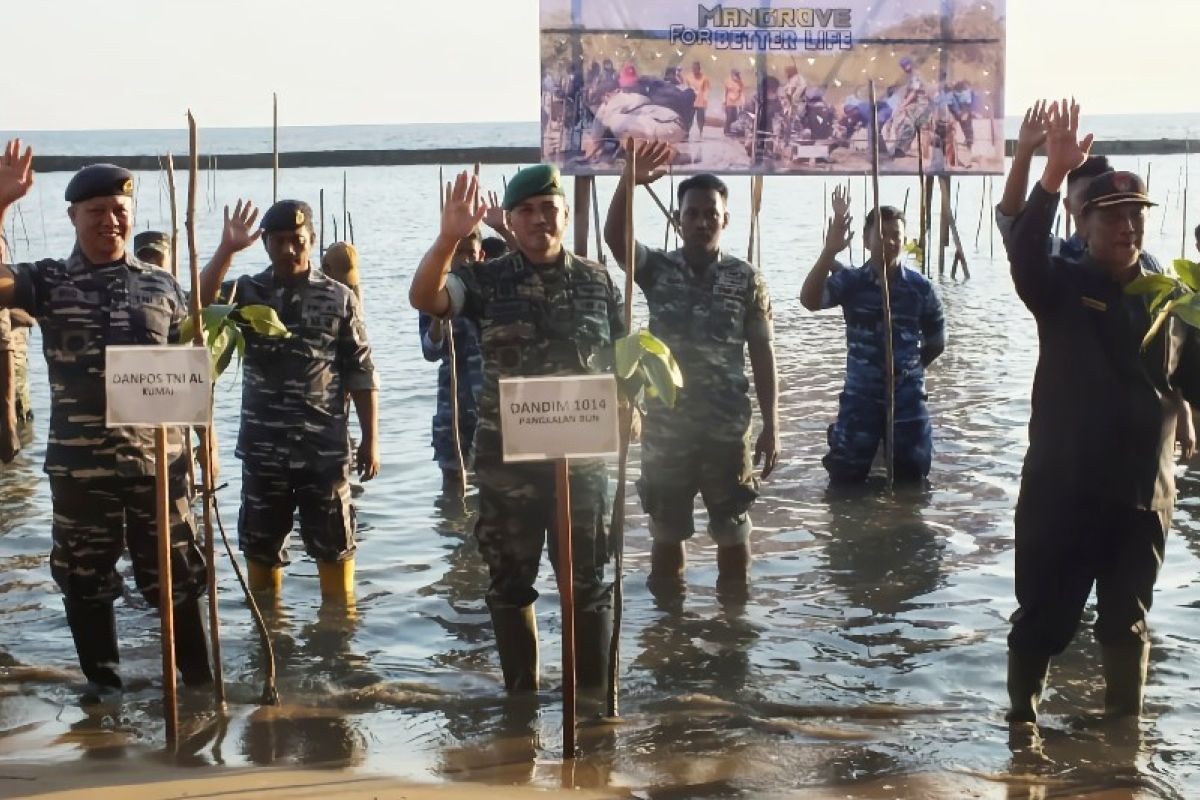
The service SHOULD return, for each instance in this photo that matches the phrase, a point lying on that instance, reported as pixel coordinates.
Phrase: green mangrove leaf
(263, 320)
(1188, 272)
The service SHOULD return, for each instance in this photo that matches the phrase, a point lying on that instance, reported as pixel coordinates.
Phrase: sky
(83, 64)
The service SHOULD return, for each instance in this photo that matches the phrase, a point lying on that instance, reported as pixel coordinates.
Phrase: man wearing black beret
(102, 479)
(294, 441)
(541, 311)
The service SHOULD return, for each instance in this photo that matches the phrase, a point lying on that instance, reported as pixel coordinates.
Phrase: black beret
(100, 180)
(287, 215)
(152, 240)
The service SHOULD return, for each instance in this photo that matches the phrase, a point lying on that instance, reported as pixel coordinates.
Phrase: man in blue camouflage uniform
(294, 441)
(469, 362)
(541, 311)
(102, 482)
(918, 337)
(709, 308)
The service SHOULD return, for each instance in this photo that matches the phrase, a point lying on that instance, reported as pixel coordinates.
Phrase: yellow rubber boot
(337, 580)
(263, 577)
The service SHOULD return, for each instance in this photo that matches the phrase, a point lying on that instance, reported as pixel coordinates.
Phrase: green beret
(287, 215)
(100, 180)
(152, 240)
(531, 182)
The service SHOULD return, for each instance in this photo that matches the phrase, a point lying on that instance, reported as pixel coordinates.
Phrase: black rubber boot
(1125, 670)
(733, 565)
(517, 643)
(668, 561)
(593, 634)
(1026, 681)
(191, 644)
(94, 629)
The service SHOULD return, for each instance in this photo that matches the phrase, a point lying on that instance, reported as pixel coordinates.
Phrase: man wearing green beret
(153, 247)
(102, 479)
(540, 310)
(294, 440)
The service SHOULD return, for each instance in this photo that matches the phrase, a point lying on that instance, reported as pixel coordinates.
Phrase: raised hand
(1064, 150)
(239, 232)
(839, 235)
(652, 159)
(1033, 128)
(463, 210)
(16, 173)
(493, 215)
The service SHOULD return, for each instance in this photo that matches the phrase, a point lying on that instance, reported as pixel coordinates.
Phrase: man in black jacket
(1097, 489)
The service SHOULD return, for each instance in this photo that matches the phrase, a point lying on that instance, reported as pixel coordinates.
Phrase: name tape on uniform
(574, 416)
(147, 386)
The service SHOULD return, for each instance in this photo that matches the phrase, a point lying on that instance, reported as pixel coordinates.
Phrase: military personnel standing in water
(294, 441)
(1098, 483)
(710, 308)
(918, 337)
(102, 479)
(16, 409)
(541, 311)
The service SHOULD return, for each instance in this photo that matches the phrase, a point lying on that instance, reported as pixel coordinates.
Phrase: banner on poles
(542, 419)
(767, 86)
(147, 386)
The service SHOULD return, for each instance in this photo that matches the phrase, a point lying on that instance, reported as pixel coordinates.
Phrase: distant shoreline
(461, 155)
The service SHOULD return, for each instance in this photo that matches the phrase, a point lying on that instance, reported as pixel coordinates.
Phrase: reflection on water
(867, 654)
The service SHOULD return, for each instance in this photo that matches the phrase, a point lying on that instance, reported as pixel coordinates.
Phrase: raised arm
(652, 157)
(16, 178)
(462, 212)
(1030, 263)
(496, 218)
(1031, 136)
(237, 234)
(837, 239)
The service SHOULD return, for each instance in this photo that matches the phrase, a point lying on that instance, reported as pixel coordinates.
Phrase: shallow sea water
(870, 647)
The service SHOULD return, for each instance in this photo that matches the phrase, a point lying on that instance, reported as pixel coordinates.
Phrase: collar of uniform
(77, 262)
(564, 261)
(901, 270)
(266, 278)
(723, 259)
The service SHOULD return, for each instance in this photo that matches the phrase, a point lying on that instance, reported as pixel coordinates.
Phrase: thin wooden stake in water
(982, 206)
(889, 357)
(1187, 151)
(596, 222)
(321, 216)
(275, 148)
(174, 217)
(924, 204)
(166, 610)
(346, 206)
(991, 219)
(207, 451)
(566, 591)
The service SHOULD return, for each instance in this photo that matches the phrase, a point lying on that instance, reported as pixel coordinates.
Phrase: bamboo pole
(982, 206)
(960, 257)
(596, 222)
(889, 356)
(943, 222)
(923, 198)
(991, 219)
(350, 222)
(566, 591)
(274, 147)
(207, 451)
(582, 212)
(1186, 183)
(174, 217)
(321, 216)
(904, 208)
(346, 207)
(166, 608)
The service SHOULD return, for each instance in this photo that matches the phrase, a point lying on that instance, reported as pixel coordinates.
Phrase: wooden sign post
(557, 419)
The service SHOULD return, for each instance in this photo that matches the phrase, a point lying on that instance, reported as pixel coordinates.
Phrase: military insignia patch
(127, 186)
(299, 218)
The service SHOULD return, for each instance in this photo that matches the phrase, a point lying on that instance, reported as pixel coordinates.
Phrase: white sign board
(147, 386)
(574, 416)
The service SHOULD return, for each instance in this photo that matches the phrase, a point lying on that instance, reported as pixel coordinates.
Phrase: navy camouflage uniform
(101, 478)
(558, 319)
(470, 383)
(703, 443)
(917, 323)
(294, 440)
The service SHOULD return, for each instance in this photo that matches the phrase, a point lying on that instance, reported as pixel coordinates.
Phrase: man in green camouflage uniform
(709, 308)
(102, 479)
(294, 441)
(541, 311)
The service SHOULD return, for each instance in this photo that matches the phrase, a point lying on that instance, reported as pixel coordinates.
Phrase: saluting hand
(839, 235)
(463, 209)
(16, 173)
(239, 232)
(652, 159)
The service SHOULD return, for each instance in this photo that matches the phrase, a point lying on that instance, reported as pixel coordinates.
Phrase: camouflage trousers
(96, 519)
(859, 431)
(270, 498)
(517, 519)
(676, 468)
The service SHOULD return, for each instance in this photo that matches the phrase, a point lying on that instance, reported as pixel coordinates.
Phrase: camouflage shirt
(82, 308)
(294, 410)
(706, 318)
(556, 319)
(917, 322)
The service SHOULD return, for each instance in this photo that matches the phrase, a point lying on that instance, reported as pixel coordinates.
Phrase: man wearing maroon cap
(1097, 488)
